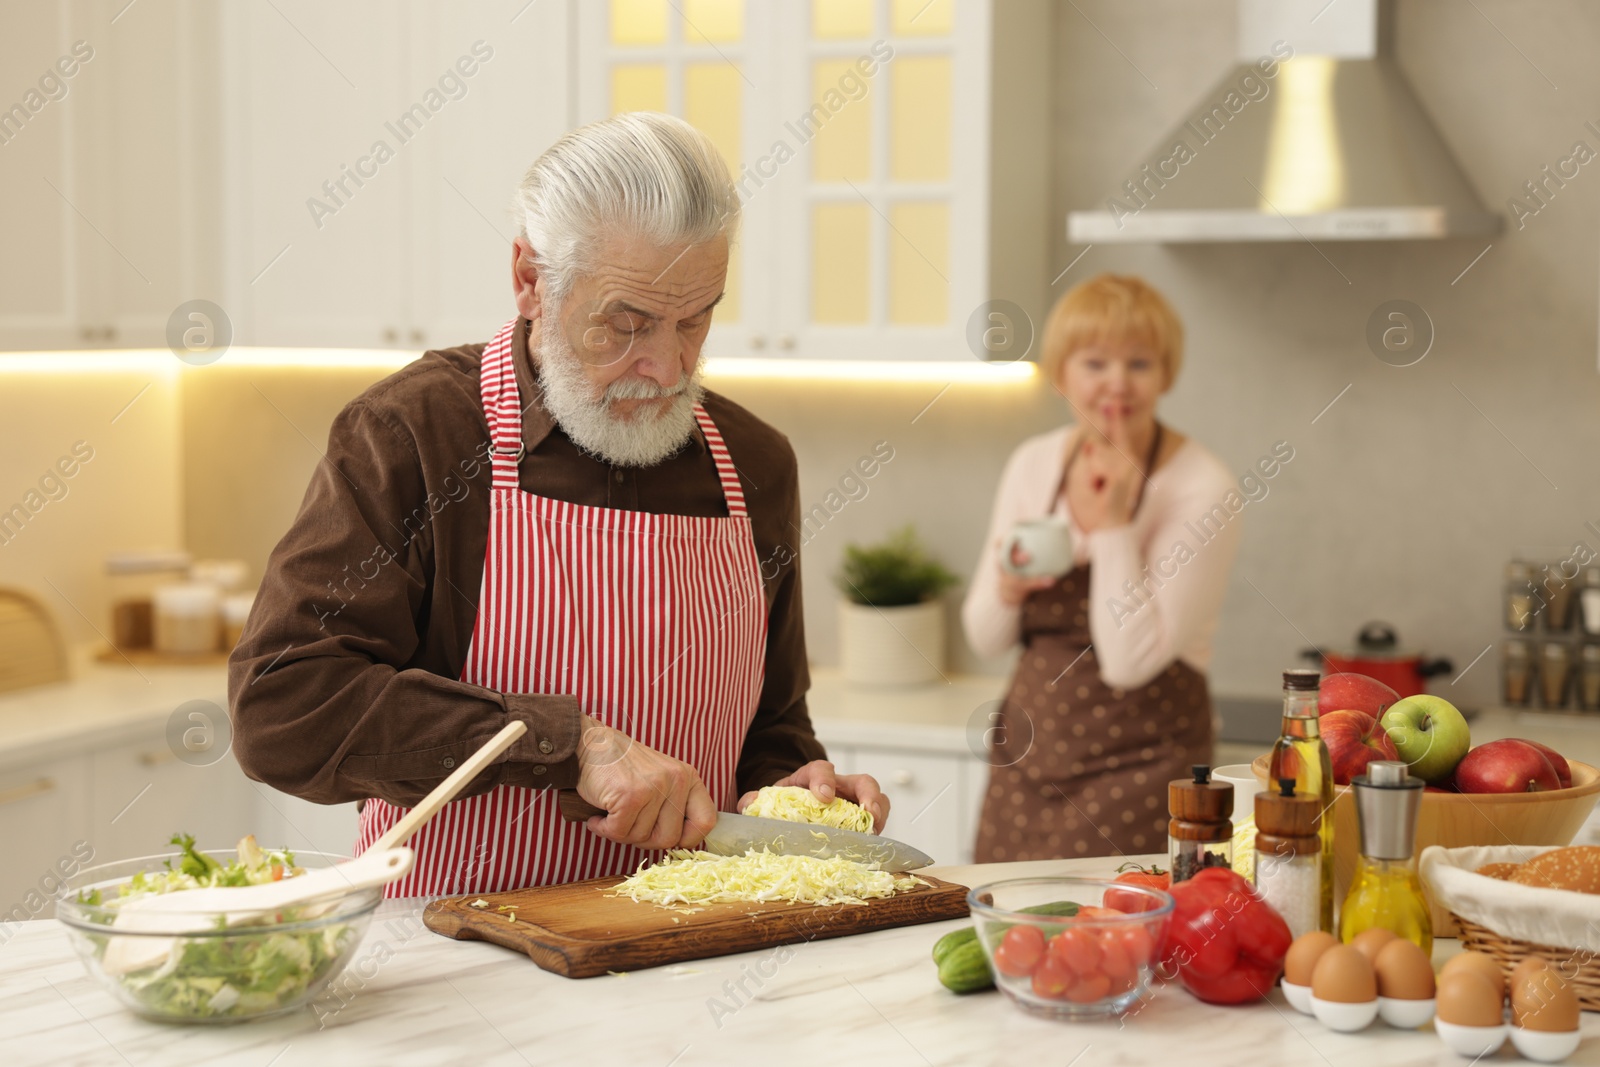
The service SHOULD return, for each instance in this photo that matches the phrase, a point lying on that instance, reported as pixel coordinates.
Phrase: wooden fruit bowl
(1454, 820)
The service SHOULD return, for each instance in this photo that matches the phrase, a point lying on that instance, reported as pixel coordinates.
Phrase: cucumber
(963, 967)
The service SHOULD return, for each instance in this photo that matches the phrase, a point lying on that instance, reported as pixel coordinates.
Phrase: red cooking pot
(1378, 655)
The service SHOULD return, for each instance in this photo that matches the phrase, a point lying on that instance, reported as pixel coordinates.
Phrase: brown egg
(1344, 975)
(1476, 963)
(1467, 999)
(1541, 999)
(1403, 971)
(1304, 954)
(1371, 941)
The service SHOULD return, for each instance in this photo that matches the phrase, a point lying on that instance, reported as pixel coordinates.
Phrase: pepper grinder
(1385, 890)
(1200, 831)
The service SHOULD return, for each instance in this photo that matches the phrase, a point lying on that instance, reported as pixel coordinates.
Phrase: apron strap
(731, 489)
(502, 406)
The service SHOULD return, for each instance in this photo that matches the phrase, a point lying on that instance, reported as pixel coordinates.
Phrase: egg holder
(1469, 1041)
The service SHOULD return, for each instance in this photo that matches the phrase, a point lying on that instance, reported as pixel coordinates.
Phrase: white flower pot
(891, 646)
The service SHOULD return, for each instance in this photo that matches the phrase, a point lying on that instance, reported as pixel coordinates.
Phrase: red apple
(1354, 692)
(1506, 766)
(1354, 739)
(1557, 760)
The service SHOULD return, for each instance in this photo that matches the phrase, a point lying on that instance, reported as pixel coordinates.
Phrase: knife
(734, 835)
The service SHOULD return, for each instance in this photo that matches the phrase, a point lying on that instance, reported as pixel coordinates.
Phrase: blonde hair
(1114, 309)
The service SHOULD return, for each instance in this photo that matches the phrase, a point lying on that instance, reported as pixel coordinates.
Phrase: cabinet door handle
(902, 778)
(786, 342)
(156, 758)
(38, 787)
(391, 335)
(758, 342)
(417, 337)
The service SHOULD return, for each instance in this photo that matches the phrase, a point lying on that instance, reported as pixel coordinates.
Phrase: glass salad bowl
(1094, 963)
(192, 968)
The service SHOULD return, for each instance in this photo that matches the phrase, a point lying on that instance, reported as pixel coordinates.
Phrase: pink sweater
(1156, 584)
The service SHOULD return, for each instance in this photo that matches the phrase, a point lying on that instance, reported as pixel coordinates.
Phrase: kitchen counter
(416, 997)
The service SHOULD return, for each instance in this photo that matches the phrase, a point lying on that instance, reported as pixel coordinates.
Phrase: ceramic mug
(1038, 548)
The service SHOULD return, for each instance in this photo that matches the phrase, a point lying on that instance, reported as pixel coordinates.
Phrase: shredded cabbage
(801, 805)
(702, 878)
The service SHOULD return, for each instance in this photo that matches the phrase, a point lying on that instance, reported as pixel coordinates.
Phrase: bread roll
(1502, 871)
(1576, 868)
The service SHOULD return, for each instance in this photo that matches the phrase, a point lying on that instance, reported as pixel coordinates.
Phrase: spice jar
(1200, 830)
(1519, 595)
(1589, 602)
(235, 610)
(134, 578)
(1516, 672)
(1555, 673)
(1289, 855)
(1589, 677)
(187, 619)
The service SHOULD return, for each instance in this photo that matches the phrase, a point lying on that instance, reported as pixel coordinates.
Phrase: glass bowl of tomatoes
(1071, 948)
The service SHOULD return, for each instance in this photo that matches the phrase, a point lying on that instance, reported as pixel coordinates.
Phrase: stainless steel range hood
(1327, 144)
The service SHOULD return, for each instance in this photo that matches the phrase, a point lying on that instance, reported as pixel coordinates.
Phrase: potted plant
(891, 620)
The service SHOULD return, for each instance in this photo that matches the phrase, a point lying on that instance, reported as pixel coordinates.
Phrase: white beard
(640, 440)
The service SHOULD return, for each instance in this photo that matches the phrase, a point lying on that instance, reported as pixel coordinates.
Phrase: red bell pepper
(1225, 944)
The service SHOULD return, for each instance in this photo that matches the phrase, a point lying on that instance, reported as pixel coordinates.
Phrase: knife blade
(734, 835)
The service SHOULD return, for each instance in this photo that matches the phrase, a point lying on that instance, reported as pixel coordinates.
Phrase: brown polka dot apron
(1078, 767)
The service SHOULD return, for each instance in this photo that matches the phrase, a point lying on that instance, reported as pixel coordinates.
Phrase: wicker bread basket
(1511, 922)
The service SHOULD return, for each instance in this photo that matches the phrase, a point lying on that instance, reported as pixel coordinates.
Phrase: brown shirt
(346, 682)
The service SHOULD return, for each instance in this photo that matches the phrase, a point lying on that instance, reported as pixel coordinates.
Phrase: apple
(1557, 760)
(1354, 692)
(1354, 739)
(1506, 766)
(1429, 734)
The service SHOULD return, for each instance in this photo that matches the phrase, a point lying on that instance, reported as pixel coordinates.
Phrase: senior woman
(1108, 701)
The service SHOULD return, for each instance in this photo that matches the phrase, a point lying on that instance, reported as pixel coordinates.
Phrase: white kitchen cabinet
(44, 822)
(926, 792)
(373, 151)
(108, 170)
(891, 157)
(141, 794)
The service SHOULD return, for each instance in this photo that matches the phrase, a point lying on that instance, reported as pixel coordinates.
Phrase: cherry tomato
(277, 872)
(1052, 978)
(1137, 943)
(1115, 963)
(1019, 951)
(1090, 988)
(1089, 911)
(1078, 947)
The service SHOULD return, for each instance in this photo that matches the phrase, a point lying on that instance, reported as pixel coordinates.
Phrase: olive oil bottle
(1386, 891)
(1301, 754)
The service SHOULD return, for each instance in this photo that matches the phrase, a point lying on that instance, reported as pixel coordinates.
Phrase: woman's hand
(1106, 476)
(819, 777)
(1014, 588)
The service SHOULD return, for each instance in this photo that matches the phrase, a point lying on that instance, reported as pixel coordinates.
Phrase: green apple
(1430, 735)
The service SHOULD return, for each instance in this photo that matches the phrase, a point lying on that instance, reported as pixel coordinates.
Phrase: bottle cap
(1388, 802)
(1302, 679)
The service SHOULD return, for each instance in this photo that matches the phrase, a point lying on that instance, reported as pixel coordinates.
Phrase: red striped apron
(656, 623)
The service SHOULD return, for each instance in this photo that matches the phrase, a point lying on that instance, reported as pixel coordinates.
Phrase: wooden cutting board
(579, 930)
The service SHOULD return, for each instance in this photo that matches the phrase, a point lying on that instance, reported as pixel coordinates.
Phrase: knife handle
(574, 808)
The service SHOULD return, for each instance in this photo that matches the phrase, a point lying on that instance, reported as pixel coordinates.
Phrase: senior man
(560, 526)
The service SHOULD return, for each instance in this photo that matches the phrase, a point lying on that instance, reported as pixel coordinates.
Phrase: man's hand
(651, 800)
(819, 777)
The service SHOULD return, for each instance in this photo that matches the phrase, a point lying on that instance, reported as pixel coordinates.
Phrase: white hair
(637, 174)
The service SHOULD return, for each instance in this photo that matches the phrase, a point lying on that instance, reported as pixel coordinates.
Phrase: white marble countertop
(102, 700)
(871, 999)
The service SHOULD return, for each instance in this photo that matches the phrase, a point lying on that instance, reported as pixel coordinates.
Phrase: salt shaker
(1289, 855)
